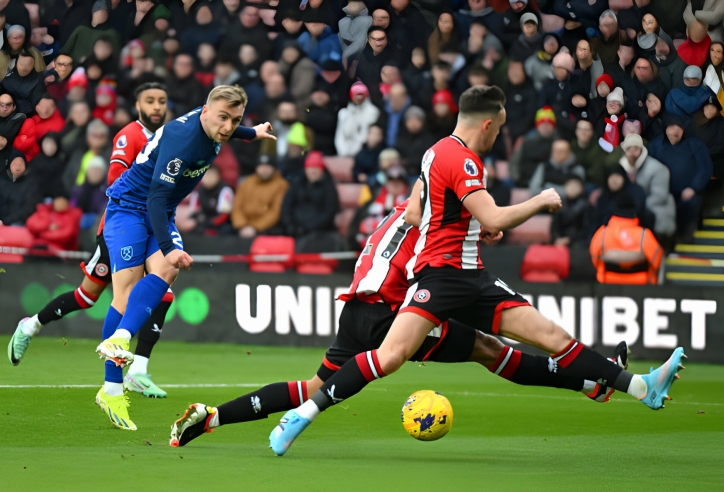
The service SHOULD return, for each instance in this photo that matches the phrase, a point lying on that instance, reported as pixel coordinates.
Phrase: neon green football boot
(116, 407)
(116, 350)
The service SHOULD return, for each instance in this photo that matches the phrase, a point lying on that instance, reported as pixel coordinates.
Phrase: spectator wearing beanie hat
(597, 105)
(687, 100)
(512, 21)
(106, 102)
(311, 201)
(653, 177)
(354, 121)
(528, 41)
(611, 123)
(558, 93)
(258, 200)
(444, 114)
(536, 148)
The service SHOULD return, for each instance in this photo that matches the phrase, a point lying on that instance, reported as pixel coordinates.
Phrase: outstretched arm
(256, 133)
(494, 219)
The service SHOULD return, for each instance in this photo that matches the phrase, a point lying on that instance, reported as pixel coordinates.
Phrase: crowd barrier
(227, 303)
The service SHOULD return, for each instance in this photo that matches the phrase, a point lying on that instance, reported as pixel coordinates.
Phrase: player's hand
(180, 259)
(489, 239)
(550, 200)
(262, 131)
(687, 194)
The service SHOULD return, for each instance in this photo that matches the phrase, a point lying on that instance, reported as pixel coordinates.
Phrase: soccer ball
(427, 415)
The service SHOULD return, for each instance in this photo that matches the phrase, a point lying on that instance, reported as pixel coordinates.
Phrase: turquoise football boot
(284, 434)
(659, 381)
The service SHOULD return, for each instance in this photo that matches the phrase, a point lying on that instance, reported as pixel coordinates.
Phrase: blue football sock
(114, 374)
(144, 298)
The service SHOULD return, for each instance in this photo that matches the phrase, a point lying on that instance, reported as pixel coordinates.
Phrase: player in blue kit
(140, 232)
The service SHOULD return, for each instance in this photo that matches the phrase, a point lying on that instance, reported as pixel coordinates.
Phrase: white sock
(31, 326)
(588, 387)
(121, 333)
(113, 389)
(214, 422)
(308, 410)
(139, 365)
(637, 387)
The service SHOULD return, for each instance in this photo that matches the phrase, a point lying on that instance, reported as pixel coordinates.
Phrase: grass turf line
(505, 436)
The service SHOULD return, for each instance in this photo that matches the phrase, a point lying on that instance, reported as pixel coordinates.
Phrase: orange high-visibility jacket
(623, 252)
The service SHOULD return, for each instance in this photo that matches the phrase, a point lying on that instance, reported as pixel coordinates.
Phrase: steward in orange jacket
(623, 252)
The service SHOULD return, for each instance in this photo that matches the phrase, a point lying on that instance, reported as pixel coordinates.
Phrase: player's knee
(92, 288)
(391, 360)
(168, 274)
(486, 350)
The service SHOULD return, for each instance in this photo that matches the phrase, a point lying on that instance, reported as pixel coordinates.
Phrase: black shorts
(363, 327)
(473, 297)
(97, 269)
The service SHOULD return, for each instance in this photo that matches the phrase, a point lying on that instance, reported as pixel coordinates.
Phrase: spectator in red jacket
(47, 119)
(26, 141)
(56, 224)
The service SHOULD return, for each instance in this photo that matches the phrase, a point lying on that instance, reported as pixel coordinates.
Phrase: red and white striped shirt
(379, 274)
(449, 234)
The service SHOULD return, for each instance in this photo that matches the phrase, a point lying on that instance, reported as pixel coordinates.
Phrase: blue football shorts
(130, 238)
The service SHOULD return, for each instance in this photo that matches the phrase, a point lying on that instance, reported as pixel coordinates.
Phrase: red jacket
(53, 124)
(58, 229)
(26, 141)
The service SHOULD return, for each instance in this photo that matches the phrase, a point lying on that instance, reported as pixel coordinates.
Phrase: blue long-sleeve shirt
(167, 170)
(321, 48)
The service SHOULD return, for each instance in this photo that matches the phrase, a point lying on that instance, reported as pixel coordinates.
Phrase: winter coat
(58, 229)
(258, 203)
(367, 162)
(571, 221)
(594, 160)
(669, 14)
(18, 196)
(300, 78)
(711, 132)
(26, 141)
(584, 81)
(653, 177)
(323, 122)
(710, 14)
(524, 161)
(310, 207)
(352, 125)
(539, 69)
(412, 147)
(91, 199)
(26, 91)
(607, 204)
(353, 32)
(322, 48)
(184, 94)
(552, 174)
(655, 87)
(671, 68)
(212, 207)
(49, 171)
(369, 66)
(686, 101)
(688, 161)
(419, 86)
(520, 107)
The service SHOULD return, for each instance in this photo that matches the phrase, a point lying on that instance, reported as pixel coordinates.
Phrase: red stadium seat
(545, 263)
(537, 230)
(272, 245)
(349, 194)
(14, 237)
(340, 168)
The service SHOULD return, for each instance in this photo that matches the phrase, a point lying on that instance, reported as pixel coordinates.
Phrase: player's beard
(146, 120)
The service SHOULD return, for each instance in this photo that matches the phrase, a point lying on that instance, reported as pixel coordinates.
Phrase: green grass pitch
(504, 437)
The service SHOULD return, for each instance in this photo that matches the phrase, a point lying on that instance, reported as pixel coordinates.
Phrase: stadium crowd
(617, 104)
